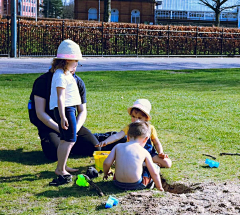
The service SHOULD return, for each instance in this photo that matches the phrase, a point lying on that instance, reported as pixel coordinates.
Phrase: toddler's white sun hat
(69, 50)
(142, 104)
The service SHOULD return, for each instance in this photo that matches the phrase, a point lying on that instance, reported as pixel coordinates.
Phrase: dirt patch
(201, 198)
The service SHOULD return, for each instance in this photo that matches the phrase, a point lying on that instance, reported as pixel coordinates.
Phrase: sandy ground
(201, 198)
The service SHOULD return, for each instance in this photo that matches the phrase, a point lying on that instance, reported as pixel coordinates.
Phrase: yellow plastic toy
(100, 157)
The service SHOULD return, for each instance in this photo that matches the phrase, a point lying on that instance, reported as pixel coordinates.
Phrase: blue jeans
(69, 135)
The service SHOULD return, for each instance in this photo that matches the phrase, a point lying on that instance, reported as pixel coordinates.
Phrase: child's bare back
(129, 159)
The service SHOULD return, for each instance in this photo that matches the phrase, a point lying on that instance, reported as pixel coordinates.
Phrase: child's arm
(153, 172)
(159, 148)
(113, 138)
(61, 107)
(108, 163)
(157, 145)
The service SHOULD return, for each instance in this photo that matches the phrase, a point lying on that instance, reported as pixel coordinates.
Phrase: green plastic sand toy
(81, 181)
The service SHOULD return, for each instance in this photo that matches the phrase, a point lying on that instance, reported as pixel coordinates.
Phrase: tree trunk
(217, 18)
(107, 11)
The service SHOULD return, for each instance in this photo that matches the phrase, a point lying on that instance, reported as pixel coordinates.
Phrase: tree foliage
(107, 11)
(52, 8)
(68, 10)
(218, 6)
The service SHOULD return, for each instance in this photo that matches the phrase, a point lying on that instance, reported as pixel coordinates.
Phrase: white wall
(189, 5)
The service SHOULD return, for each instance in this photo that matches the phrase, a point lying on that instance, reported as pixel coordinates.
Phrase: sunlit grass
(194, 112)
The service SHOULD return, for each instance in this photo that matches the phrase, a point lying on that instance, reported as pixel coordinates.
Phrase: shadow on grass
(39, 176)
(73, 190)
(27, 158)
(100, 207)
(27, 177)
(31, 158)
(208, 167)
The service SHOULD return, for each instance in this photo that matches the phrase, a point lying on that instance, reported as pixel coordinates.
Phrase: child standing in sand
(141, 111)
(129, 158)
(65, 100)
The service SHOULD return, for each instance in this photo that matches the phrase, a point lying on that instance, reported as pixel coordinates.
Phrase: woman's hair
(139, 129)
(59, 64)
(138, 111)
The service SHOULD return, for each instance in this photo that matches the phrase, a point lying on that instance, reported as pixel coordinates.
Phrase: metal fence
(34, 40)
(5, 38)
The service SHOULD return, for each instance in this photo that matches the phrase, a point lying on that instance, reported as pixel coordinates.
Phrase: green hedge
(42, 38)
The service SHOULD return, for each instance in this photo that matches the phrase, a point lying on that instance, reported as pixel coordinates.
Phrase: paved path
(41, 65)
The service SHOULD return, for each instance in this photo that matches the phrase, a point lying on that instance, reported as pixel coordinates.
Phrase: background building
(26, 8)
(1, 8)
(131, 11)
(6, 7)
(192, 12)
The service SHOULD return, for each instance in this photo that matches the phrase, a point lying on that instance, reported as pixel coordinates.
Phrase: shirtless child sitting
(129, 158)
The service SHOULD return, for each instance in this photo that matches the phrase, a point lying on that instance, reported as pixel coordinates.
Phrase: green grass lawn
(193, 111)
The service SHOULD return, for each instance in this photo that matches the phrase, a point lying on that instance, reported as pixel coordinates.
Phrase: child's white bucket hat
(69, 50)
(142, 104)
